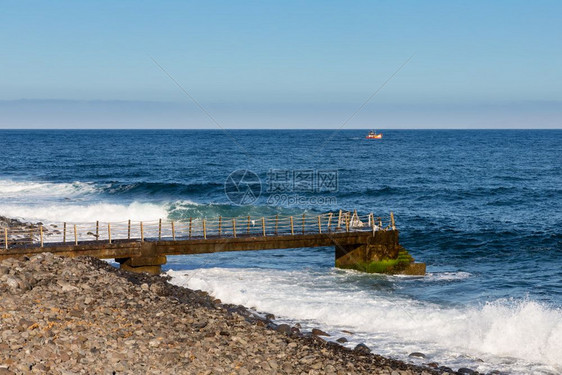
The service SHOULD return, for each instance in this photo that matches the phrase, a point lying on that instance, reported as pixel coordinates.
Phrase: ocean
(483, 209)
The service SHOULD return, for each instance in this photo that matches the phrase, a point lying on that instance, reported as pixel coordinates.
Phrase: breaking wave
(505, 334)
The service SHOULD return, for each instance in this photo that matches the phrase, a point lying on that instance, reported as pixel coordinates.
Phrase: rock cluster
(6, 222)
(23, 233)
(82, 316)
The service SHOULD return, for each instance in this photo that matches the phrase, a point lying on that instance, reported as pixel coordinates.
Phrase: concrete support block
(148, 264)
(381, 253)
(414, 269)
(152, 270)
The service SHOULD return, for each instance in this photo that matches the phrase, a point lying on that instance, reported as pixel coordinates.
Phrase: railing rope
(164, 229)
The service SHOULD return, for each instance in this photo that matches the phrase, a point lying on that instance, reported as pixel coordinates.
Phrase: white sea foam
(107, 212)
(527, 332)
(447, 276)
(10, 189)
(74, 202)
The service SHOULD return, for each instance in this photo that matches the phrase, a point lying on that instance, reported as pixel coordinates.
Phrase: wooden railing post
(392, 220)
(220, 226)
(159, 229)
(319, 224)
(234, 227)
(64, 233)
(109, 232)
(276, 224)
(142, 231)
(190, 226)
(6, 238)
(292, 227)
(41, 234)
(97, 230)
(347, 222)
(330, 222)
(204, 229)
(75, 235)
(339, 221)
(129, 230)
(173, 231)
(263, 225)
(303, 218)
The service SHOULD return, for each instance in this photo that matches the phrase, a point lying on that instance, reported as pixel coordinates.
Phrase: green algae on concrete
(403, 264)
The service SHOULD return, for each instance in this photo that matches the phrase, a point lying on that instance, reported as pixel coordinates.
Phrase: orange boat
(373, 135)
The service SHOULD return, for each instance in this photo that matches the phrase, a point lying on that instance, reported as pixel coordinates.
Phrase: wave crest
(107, 212)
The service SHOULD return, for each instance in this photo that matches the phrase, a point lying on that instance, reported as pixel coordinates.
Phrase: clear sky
(281, 63)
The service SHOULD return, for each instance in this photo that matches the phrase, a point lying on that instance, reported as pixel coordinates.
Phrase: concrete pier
(382, 253)
(367, 248)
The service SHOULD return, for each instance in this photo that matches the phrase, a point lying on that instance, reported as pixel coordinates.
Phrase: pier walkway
(142, 246)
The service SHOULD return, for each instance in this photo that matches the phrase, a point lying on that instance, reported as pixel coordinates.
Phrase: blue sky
(281, 64)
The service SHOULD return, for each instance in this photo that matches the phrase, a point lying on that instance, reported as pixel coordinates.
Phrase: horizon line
(273, 129)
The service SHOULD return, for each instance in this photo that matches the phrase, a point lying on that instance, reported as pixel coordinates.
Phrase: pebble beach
(83, 316)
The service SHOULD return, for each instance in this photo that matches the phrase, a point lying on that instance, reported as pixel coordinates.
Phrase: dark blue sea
(482, 208)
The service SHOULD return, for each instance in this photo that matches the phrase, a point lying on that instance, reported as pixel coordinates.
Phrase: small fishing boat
(373, 135)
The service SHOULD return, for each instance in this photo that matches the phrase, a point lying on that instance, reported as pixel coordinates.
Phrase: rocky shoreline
(26, 233)
(83, 316)
(6, 222)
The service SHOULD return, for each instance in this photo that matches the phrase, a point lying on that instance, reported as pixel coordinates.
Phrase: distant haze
(63, 114)
(290, 64)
